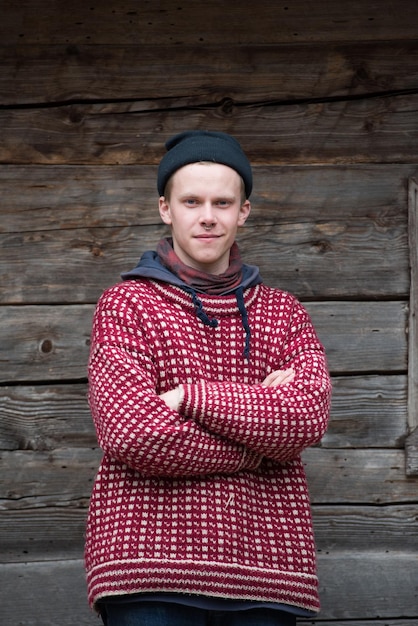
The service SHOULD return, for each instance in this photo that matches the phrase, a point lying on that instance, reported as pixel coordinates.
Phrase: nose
(207, 216)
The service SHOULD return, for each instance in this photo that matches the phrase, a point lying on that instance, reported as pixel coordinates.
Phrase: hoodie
(151, 267)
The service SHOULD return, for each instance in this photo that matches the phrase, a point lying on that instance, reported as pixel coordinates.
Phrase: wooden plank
(44, 417)
(63, 475)
(321, 260)
(360, 585)
(166, 22)
(52, 342)
(58, 476)
(358, 477)
(367, 411)
(314, 260)
(376, 130)
(411, 445)
(43, 533)
(288, 194)
(362, 336)
(382, 584)
(56, 531)
(369, 528)
(79, 263)
(411, 450)
(42, 198)
(245, 73)
(47, 594)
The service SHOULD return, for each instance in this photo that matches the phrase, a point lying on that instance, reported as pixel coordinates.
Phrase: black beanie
(193, 146)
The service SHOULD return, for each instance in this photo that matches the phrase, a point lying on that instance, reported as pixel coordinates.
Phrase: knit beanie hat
(193, 146)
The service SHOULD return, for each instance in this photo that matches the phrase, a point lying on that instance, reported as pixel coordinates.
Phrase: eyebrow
(230, 198)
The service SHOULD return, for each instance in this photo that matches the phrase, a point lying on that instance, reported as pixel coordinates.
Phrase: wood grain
(45, 73)
(212, 23)
(376, 130)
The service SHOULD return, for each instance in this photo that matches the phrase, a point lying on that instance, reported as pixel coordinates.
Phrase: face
(204, 210)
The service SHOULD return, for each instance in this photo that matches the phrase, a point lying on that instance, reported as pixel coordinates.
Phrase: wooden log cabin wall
(324, 98)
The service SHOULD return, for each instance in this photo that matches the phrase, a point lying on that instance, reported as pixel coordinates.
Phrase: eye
(223, 203)
(190, 202)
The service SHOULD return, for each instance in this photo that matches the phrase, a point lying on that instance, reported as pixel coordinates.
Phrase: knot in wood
(227, 106)
(322, 246)
(46, 346)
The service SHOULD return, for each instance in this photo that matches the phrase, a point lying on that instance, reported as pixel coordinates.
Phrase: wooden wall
(324, 98)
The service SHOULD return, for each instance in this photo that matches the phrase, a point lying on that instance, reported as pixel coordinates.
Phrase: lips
(208, 235)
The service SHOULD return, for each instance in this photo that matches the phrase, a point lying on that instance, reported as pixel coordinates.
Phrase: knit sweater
(210, 499)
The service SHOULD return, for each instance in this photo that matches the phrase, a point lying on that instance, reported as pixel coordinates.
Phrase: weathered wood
(35, 74)
(359, 476)
(38, 342)
(367, 412)
(336, 259)
(47, 594)
(52, 342)
(368, 584)
(44, 417)
(315, 260)
(369, 528)
(167, 22)
(43, 533)
(349, 476)
(57, 476)
(411, 445)
(39, 198)
(383, 584)
(411, 450)
(377, 130)
(362, 336)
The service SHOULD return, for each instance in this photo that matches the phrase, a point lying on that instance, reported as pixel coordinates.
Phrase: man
(205, 387)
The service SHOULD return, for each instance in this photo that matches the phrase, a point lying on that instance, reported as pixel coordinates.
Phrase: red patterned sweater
(210, 500)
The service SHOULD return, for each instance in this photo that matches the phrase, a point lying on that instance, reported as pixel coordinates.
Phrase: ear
(164, 209)
(244, 213)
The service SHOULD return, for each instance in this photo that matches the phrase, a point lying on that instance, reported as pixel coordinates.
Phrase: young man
(205, 387)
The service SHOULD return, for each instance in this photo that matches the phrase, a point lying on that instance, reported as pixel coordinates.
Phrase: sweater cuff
(192, 397)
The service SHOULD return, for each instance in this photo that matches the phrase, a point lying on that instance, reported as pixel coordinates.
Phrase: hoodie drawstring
(244, 317)
(200, 312)
(213, 322)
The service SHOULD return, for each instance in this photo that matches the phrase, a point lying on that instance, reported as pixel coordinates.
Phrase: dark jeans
(170, 614)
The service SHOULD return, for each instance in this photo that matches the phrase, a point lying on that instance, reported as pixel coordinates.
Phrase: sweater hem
(223, 581)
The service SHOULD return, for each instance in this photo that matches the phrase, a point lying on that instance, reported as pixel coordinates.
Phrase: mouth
(208, 233)
(207, 236)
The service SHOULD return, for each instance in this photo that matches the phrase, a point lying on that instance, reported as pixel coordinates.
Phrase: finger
(279, 377)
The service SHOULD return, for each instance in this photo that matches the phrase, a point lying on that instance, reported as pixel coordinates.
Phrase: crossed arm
(174, 397)
(201, 427)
